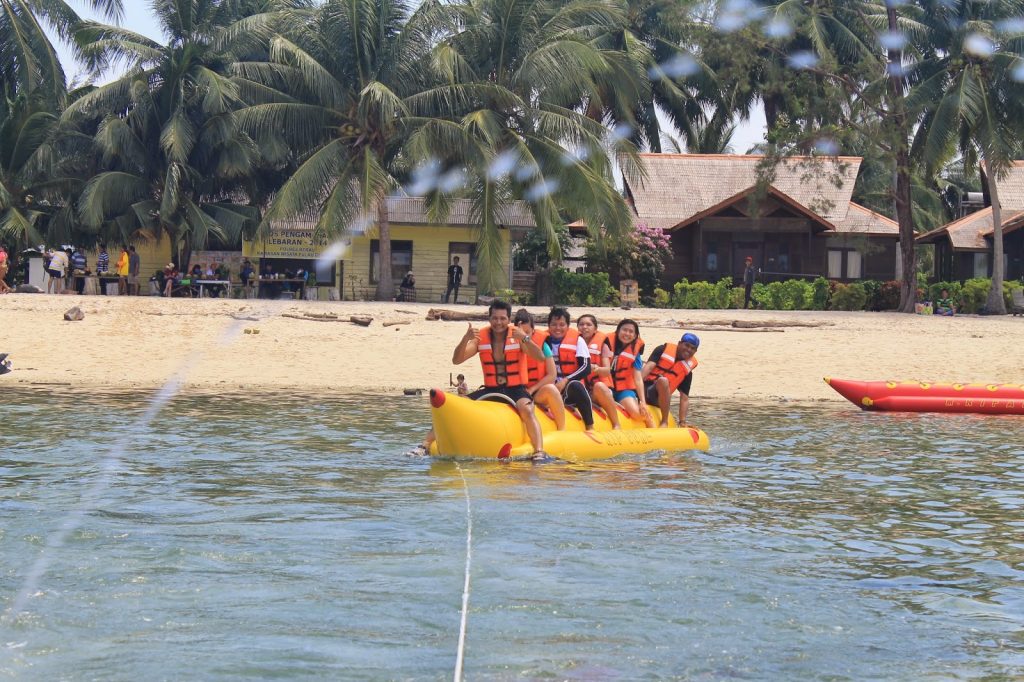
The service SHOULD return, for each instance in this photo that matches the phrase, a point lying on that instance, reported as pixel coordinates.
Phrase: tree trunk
(995, 305)
(385, 284)
(902, 195)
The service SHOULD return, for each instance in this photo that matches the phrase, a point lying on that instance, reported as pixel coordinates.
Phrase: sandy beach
(236, 346)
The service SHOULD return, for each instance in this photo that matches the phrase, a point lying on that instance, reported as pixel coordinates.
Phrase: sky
(139, 18)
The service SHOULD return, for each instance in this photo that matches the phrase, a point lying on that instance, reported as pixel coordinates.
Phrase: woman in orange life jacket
(669, 368)
(540, 376)
(622, 364)
(503, 350)
(572, 359)
(597, 382)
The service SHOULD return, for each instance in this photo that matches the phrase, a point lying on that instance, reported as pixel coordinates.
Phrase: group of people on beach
(71, 263)
(564, 367)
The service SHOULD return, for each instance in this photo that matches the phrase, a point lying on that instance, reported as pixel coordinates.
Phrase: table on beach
(93, 283)
(226, 283)
(290, 281)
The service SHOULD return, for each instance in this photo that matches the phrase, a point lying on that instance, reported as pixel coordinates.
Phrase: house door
(740, 252)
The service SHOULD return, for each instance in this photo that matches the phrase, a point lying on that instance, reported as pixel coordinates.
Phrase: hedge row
(595, 289)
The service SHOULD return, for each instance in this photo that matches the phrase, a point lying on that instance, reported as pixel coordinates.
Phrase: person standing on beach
(122, 271)
(56, 270)
(4, 265)
(79, 265)
(749, 272)
(103, 260)
(134, 266)
(454, 280)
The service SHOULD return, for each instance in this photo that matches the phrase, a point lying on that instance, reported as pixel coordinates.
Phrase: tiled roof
(860, 220)
(964, 233)
(679, 186)
(1011, 188)
(969, 232)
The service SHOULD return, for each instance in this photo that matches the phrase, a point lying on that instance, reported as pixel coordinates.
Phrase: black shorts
(55, 274)
(652, 393)
(515, 393)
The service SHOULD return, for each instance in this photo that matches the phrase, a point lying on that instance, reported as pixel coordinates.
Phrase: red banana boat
(921, 396)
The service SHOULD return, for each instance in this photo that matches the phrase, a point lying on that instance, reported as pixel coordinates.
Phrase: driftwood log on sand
(361, 320)
(455, 315)
(394, 323)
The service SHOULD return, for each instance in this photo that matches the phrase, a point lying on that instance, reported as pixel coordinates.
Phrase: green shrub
(974, 294)
(662, 298)
(871, 288)
(888, 296)
(586, 288)
(693, 295)
(821, 293)
(849, 297)
(723, 298)
(514, 297)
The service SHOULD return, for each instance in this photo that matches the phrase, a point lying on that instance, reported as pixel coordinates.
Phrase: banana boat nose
(468, 427)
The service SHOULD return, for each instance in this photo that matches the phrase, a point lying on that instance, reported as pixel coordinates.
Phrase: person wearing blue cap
(670, 368)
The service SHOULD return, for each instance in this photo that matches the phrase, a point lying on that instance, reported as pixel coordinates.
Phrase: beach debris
(74, 314)
(361, 320)
(251, 330)
(27, 289)
(246, 318)
(455, 315)
(412, 391)
(392, 323)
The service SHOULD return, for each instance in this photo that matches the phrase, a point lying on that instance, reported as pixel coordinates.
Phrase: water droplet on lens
(778, 28)
(892, 40)
(804, 59)
(827, 146)
(979, 45)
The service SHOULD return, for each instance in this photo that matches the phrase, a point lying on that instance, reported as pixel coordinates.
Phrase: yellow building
(417, 245)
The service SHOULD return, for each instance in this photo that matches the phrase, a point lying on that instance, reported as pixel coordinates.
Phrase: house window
(782, 262)
(401, 259)
(835, 264)
(466, 251)
(853, 261)
(981, 265)
(712, 259)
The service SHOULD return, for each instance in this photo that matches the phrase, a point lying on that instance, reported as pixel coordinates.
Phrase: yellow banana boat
(485, 429)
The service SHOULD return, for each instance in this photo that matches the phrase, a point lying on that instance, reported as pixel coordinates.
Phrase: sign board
(629, 294)
(289, 242)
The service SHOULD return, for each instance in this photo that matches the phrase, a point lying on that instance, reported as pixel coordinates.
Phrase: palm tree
(340, 94)
(524, 76)
(26, 126)
(28, 59)
(174, 157)
(971, 99)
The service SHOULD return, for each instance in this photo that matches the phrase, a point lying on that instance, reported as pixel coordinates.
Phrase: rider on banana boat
(540, 376)
(598, 384)
(621, 364)
(503, 350)
(572, 359)
(670, 368)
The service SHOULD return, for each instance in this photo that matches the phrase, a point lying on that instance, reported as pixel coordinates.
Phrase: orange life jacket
(671, 368)
(595, 347)
(512, 368)
(565, 354)
(535, 369)
(623, 364)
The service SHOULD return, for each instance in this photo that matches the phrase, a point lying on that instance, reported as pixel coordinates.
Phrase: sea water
(288, 537)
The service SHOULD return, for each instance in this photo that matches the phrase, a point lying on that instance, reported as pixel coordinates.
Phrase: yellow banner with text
(285, 243)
